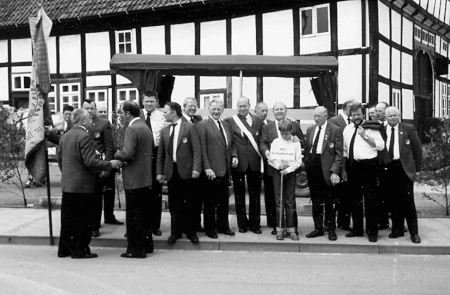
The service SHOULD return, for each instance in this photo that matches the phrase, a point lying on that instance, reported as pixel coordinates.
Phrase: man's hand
(361, 131)
(267, 154)
(335, 179)
(284, 172)
(344, 175)
(210, 174)
(283, 166)
(295, 138)
(290, 119)
(104, 174)
(195, 174)
(234, 162)
(116, 164)
(160, 178)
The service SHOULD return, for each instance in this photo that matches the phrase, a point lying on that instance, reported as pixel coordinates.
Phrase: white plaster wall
(407, 68)
(383, 19)
(315, 44)
(447, 16)
(431, 6)
(307, 97)
(98, 52)
(439, 45)
(213, 82)
(248, 90)
(153, 41)
(4, 91)
(383, 92)
(408, 31)
(350, 78)
(349, 24)
(396, 27)
(278, 89)
(184, 86)
(51, 48)
(367, 80)
(243, 35)
(395, 65)
(21, 50)
(121, 80)
(92, 81)
(182, 39)
(70, 54)
(423, 3)
(3, 51)
(22, 69)
(442, 12)
(383, 60)
(278, 33)
(213, 38)
(437, 98)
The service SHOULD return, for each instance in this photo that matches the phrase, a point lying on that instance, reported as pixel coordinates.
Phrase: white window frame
(431, 39)
(127, 92)
(396, 98)
(425, 40)
(132, 41)
(444, 44)
(21, 76)
(445, 98)
(70, 95)
(96, 93)
(314, 21)
(52, 95)
(417, 29)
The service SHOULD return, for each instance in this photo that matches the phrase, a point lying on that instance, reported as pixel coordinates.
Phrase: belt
(363, 161)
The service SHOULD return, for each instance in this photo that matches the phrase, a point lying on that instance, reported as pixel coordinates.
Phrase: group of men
(198, 157)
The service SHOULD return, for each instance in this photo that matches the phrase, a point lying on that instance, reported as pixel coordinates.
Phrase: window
(21, 82)
(126, 94)
(445, 100)
(52, 99)
(396, 98)
(444, 46)
(424, 37)
(70, 95)
(430, 39)
(314, 21)
(99, 96)
(417, 33)
(125, 42)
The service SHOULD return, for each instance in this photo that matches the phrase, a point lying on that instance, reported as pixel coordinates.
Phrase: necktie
(348, 121)
(148, 122)
(351, 157)
(391, 143)
(221, 132)
(170, 147)
(316, 142)
(192, 120)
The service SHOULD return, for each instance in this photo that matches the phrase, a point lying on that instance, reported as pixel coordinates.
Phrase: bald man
(246, 129)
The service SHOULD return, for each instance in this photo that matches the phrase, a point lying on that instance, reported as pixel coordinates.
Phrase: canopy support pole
(241, 83)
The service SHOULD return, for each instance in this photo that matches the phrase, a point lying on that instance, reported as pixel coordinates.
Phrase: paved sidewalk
(28, 226)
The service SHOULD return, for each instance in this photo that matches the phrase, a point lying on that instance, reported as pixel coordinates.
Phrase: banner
(38, 108)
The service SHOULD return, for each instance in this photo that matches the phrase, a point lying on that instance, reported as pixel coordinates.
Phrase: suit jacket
(77, 161)
(197, 118)
(332, 150)
(410, 149)
(247, 155)
(102, 134)
(216, 155)
(188, 152)
(269, 133)
(338, 121)
(137, 154)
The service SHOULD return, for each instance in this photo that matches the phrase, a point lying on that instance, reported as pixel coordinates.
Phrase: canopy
(225, 65)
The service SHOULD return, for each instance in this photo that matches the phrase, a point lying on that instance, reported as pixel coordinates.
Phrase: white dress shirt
(132, 121)
(362, 149)
(396, 142)
(175, 138)
(345, 118)
(278, 131)
(158, 122)
(321, 137)
(223, 128)
(187, 117)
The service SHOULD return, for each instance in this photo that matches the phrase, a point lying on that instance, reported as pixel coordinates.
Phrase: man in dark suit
(261, 110)
(137, 180)
(270, 132)
(189, 110)
(102, 134)
(343, 205)
(246, 131)
(323, 161)
(179, 162)
(405, 150)
(156, 122)
(77, 161)
(217, 156)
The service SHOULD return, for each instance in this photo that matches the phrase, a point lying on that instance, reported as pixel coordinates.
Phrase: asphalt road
(37, 270)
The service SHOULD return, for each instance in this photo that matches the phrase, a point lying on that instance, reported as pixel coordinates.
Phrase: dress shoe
(274, 231)
(315, 233)
(257, 231)
(383, 226)
(242, 230)
(157, 232)
(133, 255)
(332, 235)
(373, 238)
(193, 239)
(227, 232)
(326, 228)
(114, 221)
(353, 234)
(394, 235)
(415, 239)
(280, 235)
(294, 237)
(345, 227)
(84, 256)
(63, 255)
(212, 235)
(95, 233)
(172, 239)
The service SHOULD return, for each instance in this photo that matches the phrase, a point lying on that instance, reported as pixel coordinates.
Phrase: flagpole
(49, 198)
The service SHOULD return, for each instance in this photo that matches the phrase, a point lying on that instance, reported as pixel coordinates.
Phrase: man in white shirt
(361, 148)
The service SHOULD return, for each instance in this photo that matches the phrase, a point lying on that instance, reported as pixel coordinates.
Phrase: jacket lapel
(217, 131)
(325, 138)
(400, 138)
(181, 132)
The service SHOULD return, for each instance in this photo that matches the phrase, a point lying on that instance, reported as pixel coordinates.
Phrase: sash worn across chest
(250, 137)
